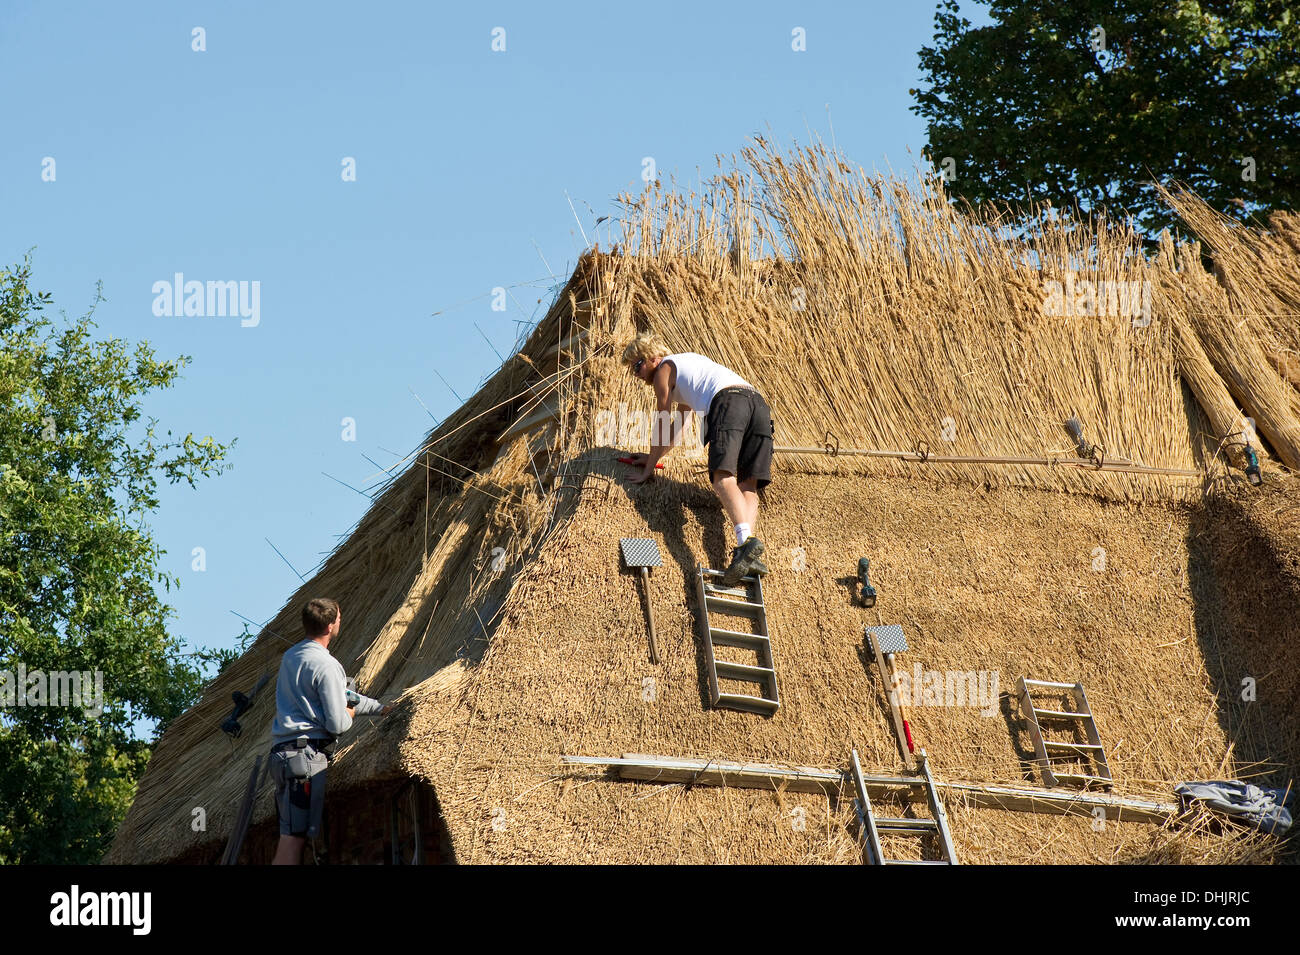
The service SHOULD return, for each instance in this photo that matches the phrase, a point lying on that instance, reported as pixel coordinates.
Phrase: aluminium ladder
(1091, 753)
(872, 825)
(743, 600)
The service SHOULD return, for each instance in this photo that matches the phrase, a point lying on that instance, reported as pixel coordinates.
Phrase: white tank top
(699, 379)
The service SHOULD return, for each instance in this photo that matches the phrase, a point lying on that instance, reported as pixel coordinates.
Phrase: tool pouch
(298, 765)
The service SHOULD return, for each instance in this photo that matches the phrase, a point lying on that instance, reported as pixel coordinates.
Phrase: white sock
(742, 534)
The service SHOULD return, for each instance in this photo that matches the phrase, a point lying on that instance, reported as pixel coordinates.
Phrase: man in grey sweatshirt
(313, 706)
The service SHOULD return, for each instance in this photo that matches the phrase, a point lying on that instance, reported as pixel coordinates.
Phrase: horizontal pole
(916, 457)
(661, 769)
(666, 769)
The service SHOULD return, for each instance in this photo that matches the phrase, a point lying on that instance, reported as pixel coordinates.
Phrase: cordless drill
(868, 595)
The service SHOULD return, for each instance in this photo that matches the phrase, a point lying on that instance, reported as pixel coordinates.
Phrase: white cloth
(1264, 808)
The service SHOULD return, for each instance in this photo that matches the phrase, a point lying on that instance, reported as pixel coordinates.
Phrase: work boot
(742, 562)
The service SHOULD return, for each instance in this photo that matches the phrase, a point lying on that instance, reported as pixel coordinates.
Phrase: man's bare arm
(663, 385)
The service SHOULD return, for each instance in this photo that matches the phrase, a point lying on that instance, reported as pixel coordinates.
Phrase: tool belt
(325, 746)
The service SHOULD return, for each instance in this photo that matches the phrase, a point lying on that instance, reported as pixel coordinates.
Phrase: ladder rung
(1085, 778)
(755, 704)
(1054, 744)
(906, 825)
(709, 572)
(1051, 685)
(895, 781)
(742, 671)
(733, 606)
(917, 862)
(719, 590)
(731, 638)
(1061, 714)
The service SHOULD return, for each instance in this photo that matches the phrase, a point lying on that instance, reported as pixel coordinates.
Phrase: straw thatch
(1252, 331)
(483, 588)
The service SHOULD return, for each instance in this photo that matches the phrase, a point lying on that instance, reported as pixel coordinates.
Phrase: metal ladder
(1048, 750)
(744, 600)
(872, 826)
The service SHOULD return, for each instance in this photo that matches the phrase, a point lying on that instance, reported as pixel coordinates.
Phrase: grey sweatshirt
(310, 695)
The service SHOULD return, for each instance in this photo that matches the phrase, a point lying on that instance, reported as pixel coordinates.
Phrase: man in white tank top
(735, 425)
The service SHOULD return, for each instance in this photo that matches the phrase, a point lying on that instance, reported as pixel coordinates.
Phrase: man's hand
(386, 709)
(641, 461)
(352, 711)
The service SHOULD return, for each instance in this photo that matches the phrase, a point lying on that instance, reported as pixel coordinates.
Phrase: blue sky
(226, 165)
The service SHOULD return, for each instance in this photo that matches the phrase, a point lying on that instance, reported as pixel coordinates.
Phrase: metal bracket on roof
(832, 443)
(923, 451)
(1096, 453)
(607, 487)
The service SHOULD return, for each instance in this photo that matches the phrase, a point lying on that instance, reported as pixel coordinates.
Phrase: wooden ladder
(1051, 751)
(872, 825)
(743, 600)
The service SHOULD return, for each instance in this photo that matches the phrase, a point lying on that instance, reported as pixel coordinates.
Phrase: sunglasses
(636, 369)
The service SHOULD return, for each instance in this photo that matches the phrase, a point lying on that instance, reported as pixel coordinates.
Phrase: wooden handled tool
(650, 615)
(885, 641)
(643, 553)
(898, 704)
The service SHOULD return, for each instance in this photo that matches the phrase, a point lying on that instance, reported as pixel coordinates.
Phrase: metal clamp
(832, 443)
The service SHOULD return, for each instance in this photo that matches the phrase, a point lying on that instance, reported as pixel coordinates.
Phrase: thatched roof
(483, 587)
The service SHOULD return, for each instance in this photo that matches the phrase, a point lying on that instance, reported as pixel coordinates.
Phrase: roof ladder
(743, 600)
(1059, 760)
(872, 825)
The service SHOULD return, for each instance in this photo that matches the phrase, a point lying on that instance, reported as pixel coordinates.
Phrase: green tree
(78, 477)
(1085, 103)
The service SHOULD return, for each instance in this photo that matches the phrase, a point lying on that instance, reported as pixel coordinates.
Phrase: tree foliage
(1085, 103)
(79, 470)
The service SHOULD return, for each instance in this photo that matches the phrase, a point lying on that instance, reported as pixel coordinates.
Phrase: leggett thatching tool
(642, 553)
(868, 595)
(887, 640)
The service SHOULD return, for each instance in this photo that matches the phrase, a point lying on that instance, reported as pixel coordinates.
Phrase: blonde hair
(646, 345)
